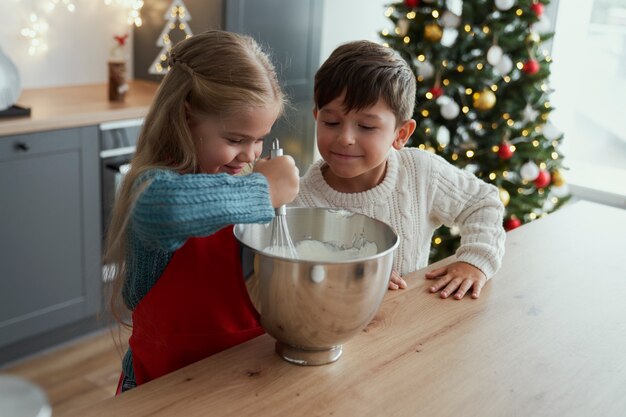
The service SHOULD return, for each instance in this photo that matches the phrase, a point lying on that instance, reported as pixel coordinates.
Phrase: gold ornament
(532, 38)
(484, 100)
(505, 197)
(557, 178)
(433, 32)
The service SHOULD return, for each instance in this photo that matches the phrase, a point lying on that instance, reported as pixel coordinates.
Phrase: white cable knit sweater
(420, 192)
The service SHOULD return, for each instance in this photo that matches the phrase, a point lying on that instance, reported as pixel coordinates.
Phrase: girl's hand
(459, 277)
(396, 281)
(282, 177)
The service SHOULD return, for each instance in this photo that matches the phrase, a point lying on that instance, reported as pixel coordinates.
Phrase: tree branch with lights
(483, 98)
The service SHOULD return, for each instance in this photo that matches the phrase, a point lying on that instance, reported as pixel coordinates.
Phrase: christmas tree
(483, 98)
(176, 17)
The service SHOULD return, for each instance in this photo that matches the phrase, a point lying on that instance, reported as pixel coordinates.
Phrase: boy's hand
(396, 281)
(459, 277)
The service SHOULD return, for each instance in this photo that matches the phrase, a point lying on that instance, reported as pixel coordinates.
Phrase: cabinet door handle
(21, 146)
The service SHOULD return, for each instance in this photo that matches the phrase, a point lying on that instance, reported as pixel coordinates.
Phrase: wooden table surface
(546, 338)
(75, 106)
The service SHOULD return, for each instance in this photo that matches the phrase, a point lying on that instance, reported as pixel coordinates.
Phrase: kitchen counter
(75, 106)
(546, 338)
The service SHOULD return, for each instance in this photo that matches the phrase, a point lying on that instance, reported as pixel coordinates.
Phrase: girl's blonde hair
(216, 73)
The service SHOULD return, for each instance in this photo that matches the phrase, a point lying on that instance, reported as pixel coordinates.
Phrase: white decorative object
(425, 69)
(504, 5)
(455, 6)
(494, 55)
(176, 12)
(449, 37)
(450, 20)
(443, 136)
(504, 66)
(529, 171)
(550, 131)
(560, 191)
(449, 108)
(10, 87)
(529, 114)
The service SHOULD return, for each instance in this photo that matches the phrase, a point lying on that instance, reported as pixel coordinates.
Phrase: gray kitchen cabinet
(50, 263)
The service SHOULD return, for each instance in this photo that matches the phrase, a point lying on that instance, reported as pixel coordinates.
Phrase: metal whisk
(281, 243)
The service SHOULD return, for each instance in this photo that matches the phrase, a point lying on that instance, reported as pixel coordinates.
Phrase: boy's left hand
(459, 277)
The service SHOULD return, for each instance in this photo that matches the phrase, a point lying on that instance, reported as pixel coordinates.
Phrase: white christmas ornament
(425, 69)
(455, 6)
(443, 136)
(403, 27)
(550, 131)
(450, 20)
(450, 110)
(504, 66)
(560, 191)
(449, 37)
(529, 171)
(504, 5)
(529, 114)
(494, 55)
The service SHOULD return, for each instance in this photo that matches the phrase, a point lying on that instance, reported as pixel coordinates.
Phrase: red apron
(197, 308)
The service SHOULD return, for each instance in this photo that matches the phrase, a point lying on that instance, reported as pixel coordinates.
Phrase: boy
(364, 99)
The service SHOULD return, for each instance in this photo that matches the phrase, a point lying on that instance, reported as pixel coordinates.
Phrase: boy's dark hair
(366, 71)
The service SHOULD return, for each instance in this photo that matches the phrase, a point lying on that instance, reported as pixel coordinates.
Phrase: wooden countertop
(546, 338)
(67, 107)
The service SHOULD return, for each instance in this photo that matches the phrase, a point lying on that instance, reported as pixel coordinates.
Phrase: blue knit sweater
(175, 207)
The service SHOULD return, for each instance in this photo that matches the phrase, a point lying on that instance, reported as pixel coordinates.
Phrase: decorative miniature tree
(176, 17)
(483, 98)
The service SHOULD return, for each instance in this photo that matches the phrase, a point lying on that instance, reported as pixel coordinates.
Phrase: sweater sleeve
(459, 198)
(173, 207)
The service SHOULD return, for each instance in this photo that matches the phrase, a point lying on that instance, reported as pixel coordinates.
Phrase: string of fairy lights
(442, 90)
(37, 27)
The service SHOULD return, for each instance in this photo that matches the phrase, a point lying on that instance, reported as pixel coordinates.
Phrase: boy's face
(355, 144)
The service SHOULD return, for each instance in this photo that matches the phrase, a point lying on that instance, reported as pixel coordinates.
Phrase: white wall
(78, 43)
(348, 20)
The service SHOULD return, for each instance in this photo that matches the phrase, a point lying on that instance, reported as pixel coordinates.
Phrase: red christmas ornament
(543, 179)
(537, 8)
(436, 92)
(531, 67)
(411, 3)
(505, 152)
(512, 223)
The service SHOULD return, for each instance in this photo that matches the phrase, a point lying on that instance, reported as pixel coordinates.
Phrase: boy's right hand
(282, 176)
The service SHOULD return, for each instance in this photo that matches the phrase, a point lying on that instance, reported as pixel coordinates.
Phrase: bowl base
(306, 357)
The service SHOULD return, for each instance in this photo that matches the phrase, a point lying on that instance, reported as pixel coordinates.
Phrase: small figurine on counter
(364, 97)
(175, 261)
(117, 69)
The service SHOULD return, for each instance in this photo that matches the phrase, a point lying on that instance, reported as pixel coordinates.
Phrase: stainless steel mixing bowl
(312, 308)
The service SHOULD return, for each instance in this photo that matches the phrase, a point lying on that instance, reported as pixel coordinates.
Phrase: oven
(117, 147)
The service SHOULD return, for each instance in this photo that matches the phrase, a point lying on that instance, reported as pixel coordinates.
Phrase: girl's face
(354, 145)
(227, 144)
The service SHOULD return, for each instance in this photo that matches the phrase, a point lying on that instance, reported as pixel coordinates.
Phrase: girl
(176, 263)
